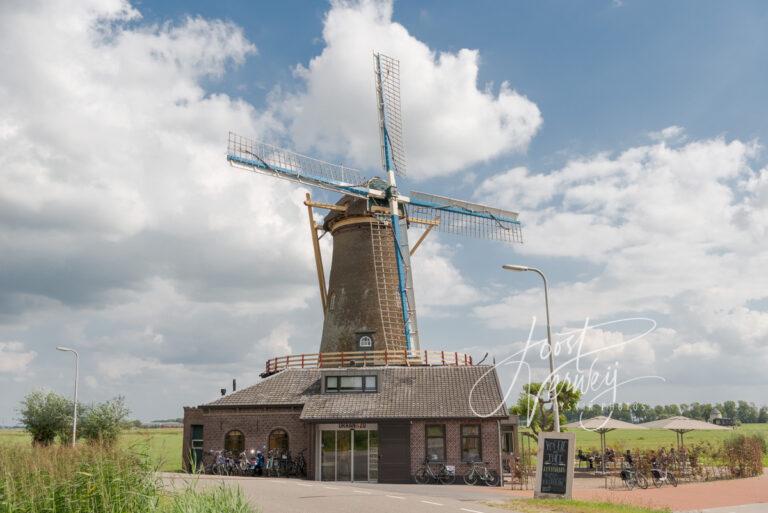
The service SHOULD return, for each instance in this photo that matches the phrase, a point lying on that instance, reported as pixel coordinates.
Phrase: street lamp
(77, 374)
(553, 391)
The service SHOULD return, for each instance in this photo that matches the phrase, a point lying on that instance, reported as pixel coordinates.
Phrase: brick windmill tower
(369, 303)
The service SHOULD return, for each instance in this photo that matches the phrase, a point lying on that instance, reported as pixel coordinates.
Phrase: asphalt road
(297, 496)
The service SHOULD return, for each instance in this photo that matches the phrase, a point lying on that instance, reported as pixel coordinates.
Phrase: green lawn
(163, 444)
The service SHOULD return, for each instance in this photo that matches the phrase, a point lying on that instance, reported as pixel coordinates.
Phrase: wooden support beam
(318, 256)
(430, 222)
(327, 206)
(424, 236)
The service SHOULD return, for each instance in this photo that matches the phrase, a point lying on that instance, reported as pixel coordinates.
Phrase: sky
(628, 135)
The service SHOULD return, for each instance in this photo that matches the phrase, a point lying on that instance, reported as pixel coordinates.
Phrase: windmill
(370, 292)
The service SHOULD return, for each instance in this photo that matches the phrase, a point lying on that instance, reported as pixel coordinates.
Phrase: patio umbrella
(602, 424)
(681, 425)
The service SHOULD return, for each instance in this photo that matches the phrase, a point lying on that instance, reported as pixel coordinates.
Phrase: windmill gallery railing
(384, 357)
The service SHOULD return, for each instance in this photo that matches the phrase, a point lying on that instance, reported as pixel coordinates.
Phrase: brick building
(374, 424)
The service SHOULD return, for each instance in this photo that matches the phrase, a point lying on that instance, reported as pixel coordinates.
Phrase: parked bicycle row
(659, 475)
(440, 473)
(255, 463)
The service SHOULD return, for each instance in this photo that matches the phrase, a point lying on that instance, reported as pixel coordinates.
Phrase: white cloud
(671, 134)
(449, 121)
(13, 357)
(122, 229)
(673, 233)
(438, 283)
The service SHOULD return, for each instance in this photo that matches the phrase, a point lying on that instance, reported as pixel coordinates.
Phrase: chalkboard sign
(554, 472)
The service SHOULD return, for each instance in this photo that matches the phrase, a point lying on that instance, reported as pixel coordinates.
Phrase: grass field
(164, 445)
(655, 438)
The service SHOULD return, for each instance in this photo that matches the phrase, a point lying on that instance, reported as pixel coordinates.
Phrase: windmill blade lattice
(466, 218)
(270, 160)
(387, 71)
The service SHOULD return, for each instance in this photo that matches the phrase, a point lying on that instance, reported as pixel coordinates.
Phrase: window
(335, 384)
(470, 443)
(366, 341)
(507, 441)
(278, 440)
(196, 445)
(435, 435)
(234, 442)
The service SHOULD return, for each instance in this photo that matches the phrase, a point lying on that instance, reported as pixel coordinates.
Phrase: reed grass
(98, 480)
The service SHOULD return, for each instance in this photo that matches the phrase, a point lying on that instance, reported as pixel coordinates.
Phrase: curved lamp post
(77, 374)
(552, 390)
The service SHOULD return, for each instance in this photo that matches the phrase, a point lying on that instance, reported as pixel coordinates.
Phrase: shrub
(744, 454)
(46, 415)
(103, 422)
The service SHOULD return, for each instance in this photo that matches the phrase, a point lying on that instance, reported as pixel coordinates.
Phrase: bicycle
(219, 465)
(632, 478)
(479, 473)
(299, 466)
(661, 476)
(445, 474)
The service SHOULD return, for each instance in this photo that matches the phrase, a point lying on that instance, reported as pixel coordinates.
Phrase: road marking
(432, 503)
(395, 497)
(470, 510)
(361, 491)
(304, 484)
(331, 487)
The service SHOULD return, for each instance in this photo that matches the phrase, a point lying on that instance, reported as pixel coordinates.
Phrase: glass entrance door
(343, 455)
(349, 455)
(360, 456)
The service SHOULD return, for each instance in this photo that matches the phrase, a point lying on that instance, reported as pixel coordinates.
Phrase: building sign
(352, 425)
(554, 472)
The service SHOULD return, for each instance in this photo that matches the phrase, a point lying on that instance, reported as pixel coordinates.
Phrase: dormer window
(340, 384)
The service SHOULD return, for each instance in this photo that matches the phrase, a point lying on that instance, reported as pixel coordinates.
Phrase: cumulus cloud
(657, 230)
(123, 231)
(439, 284)
(450, 121)
(671, 134)
(14, 359)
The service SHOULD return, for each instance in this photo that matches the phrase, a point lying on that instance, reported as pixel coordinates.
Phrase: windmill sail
(390, 116)
(270, 160)
(405, 252)
(465, 218)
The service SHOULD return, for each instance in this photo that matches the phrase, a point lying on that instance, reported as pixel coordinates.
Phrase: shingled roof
(403, 392)
(291, 387)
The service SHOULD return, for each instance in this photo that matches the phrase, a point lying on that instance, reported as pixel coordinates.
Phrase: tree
(539, 412)
(103, 422)
(728, 409)
(45, 415)
(747, 412)
(762, 417)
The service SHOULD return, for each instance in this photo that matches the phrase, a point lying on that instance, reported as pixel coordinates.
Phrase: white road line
(331, 487)
(361, 491)
(432, 503)
(395, 497)
(470, 510)
(303, 484)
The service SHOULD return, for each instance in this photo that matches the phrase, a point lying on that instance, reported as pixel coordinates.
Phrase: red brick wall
(255, 424)
(489, 433)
